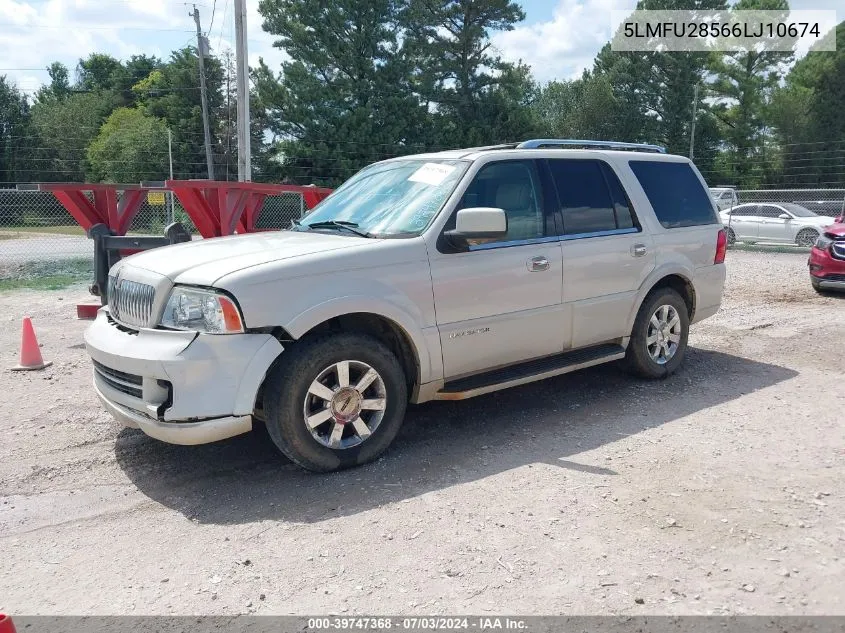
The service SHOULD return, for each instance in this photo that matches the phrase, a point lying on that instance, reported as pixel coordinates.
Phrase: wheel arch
(678, 280)
(377, 318)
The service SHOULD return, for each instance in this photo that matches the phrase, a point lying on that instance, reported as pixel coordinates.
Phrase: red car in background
(827, 258)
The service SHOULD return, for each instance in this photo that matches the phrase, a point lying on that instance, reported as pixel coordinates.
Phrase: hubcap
(664, 334)
(345, 404)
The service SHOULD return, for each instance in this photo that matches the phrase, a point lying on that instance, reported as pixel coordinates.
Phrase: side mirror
(478, 223)
(785, 216)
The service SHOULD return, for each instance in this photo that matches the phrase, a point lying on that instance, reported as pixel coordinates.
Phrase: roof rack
(586, 144)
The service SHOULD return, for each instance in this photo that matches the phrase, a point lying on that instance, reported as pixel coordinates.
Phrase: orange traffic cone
(30, 352)
(6, 625)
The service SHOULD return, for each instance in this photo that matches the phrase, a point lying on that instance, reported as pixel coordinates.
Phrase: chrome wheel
(807, 237)
(345, 404)
(664, 334)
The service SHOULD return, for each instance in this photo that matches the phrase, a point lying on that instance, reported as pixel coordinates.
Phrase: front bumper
(825, 270)
(179, 387)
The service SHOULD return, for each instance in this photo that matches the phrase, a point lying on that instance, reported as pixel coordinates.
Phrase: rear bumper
(179, 387)
(709, 286)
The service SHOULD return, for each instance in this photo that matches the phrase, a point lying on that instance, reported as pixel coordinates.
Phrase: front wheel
(336, 401)
(659, 338)
(806, 237)
(731, 237)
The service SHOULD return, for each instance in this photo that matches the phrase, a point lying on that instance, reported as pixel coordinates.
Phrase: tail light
(721, 247)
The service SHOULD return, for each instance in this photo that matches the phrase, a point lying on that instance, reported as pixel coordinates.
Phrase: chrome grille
(130, 302)
(838, 250)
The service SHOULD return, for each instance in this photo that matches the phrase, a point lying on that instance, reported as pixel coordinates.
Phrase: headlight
(823, 242)
(201, 310)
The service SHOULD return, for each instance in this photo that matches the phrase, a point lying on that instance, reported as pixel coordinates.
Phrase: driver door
(773, 228)
(500, 302)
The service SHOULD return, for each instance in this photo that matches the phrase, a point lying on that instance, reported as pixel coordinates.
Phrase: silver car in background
(775, 222)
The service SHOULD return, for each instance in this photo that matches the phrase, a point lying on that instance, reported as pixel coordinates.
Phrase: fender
(303, 322)
(664, 270)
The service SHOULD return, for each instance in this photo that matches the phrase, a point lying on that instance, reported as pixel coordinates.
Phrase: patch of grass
(46, 275)
(770, 248)
(10, 236)
(55, 230)
(49, 282)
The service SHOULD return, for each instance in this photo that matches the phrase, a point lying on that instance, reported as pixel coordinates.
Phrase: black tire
(288, 383)
(637, 358)
(731, 237)
(806, 237)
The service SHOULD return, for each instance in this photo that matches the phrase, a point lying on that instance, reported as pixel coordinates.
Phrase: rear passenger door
(606, 254)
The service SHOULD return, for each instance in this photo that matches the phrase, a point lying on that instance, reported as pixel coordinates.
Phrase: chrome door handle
(538, 264)
(638, 250)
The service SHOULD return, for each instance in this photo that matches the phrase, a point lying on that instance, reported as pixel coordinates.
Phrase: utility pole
(202, 49)
(170, 157)
(242, 65)
(692, 125)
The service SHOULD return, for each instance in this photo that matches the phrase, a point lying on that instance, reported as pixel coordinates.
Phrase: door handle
(638, 250)
(538, 264)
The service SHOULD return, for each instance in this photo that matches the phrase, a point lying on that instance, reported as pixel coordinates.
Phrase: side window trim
(608, 171)
(603, 165)
(542, 200)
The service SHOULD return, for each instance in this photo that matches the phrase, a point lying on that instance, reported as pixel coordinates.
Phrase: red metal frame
(105, 208)
(216, 207)
(222, 208)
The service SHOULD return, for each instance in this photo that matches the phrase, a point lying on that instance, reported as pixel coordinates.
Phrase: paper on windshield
(431, 173)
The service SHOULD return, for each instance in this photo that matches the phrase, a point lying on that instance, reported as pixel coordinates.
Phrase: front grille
(834, 277)
(131, 302)
(838, 250)
(129, 384)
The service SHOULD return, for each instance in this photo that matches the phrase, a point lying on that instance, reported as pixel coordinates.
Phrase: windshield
(395, 198)
(797, 210)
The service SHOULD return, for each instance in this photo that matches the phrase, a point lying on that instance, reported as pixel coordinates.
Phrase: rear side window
(675, 193)
(592, 199)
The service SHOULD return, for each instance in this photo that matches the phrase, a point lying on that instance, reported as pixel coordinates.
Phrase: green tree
(655, 91)
(743, 86)
(130, 147)
(64, 128)
(478, 98)
(807, 113)
(172, 93)
(15, 140)
(343, 99)
(582, 108)
(59, 86)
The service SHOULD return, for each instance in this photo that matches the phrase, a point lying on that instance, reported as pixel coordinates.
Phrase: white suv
(430, 277)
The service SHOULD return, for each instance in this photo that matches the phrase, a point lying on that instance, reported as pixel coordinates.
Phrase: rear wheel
(335, 401)
(806, 237)
(731, 236)
(658, 342)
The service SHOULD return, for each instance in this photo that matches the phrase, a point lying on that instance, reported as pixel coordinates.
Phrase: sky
(558, 38)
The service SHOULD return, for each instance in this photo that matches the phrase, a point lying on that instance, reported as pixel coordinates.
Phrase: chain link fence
(38, 237)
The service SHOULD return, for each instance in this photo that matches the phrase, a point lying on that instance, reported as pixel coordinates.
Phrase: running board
(530, 371)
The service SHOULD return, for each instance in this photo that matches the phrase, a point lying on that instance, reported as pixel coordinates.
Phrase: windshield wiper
(338, 224)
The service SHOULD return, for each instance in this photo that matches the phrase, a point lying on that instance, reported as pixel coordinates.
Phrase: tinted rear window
(675, 193)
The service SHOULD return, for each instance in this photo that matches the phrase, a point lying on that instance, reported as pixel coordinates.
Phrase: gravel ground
(717, 491)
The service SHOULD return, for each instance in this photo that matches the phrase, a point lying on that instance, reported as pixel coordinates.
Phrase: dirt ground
(717, 491)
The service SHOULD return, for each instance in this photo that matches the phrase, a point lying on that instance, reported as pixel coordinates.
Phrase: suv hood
(210, 259)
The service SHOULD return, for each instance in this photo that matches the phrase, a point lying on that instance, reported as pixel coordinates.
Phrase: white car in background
(781, 222)
(724, 197)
